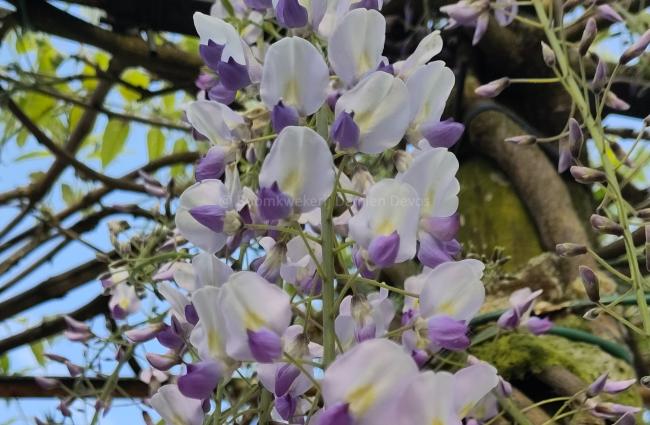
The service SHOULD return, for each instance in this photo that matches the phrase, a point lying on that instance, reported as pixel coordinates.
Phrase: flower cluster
(286, 196)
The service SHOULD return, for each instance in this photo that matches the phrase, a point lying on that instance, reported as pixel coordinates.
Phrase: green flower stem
(597, 135)
(329, 295)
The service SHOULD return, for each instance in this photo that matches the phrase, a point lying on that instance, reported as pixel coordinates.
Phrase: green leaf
(136, 78)
(113, 140)
(32, 155)
(180, 145)
(68, 194)
(25, 42)
(4, 364)
(155, 143)
(38, 350)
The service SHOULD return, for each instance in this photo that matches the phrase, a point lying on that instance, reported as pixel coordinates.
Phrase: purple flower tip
(273, 203)
(233, 75)
(338, 414)
(259, 5)
(284, 378)
(442, 228)
(221, 94)
(211, 216)
(382, 250)
(211, 54)
(286, 406)
(538, 325)
(443, 134)
(291, 14)
(448, 333)
(169, 339)
(265, 345)
(345, 131)
(212, 165)
(191, 315)
(200, 380)
(283, 116)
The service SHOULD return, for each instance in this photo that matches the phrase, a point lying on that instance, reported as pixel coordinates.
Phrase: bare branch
(23, 386)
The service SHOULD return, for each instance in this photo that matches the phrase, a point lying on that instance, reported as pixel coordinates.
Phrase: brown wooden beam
(23, 386)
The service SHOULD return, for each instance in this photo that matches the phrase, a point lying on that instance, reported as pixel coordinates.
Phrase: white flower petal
(428, 47)
(220, 32)
(294, 72)
(356, 45)
(429, 87)
(214, 120)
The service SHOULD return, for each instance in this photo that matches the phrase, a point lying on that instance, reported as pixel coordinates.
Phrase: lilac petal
(191, 315)
(420, 357)
(211, 54)
(345, 131)
(443, 134)
(284, 378)
(163, 361)
(361, 265)
(382, 250)
(221, 94)
(233, 75)
(442, 228)
(613, 410)
(291, 14)
(433, 252)
(286, 406)
(265, 345)
(366, 4)
(636, 49)
(169, 339)
(283, 116)
(597, 386)
(200, 380)
(47, 383)
(600, 76)
(205, 81)
(73, 369)
(212, 165)
(365, 333)
(509, 320)
(448, 333)
(614, 387)
(575, 135)
(481, 27)
(259, 5)
(75, 336)
(538, 325)
(273, 204)
(566, 158)
(338, 414)
(211, 216)
(387, 67)
(76, 325)
(311, 285)
(118, 313)
(493, 88)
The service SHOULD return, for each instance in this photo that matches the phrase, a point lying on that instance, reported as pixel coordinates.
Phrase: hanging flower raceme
(297, 175)
(476, 14)
(364, 317)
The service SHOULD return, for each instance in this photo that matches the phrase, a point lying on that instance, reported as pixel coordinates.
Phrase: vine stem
(596, 132)
(329, 296)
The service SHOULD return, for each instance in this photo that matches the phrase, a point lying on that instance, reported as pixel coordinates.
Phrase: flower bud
(493, 88)
(565, 159)
(443, 134)
(597, 386)
(607, 12)
(590, 282)
(600, 76)
(616, 102)
(592, 314)
(605, 225)
(402, 160)
(570, 249)
(643, 214)
(636, 49)
(587, 175)
(524, 139)
(548, 55)
(588, 36)
(575, 134)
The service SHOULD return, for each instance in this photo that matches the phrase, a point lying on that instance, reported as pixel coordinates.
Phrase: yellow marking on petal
(124, 303)
(364, 120)
(292, 183)
(465, 410)
(386, 227)
(291, 93)
(214, 342)
(429, 201)
(361, 399)
(363, 64)
(437, 421)
(253, 321)
(447, 308)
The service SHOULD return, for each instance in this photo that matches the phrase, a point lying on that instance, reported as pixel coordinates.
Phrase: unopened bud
(590, 282)
(592, 314)
(570, 249)
(402, 160)
(362, 180)
(616, 102)
(588, 36)
(600, 76)
(493, 88)
(575, 134)
(231, 222)
(524, 139)
(605, 225)
(606, 11)
(586, 175)
(548, 55)
(636, 49)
